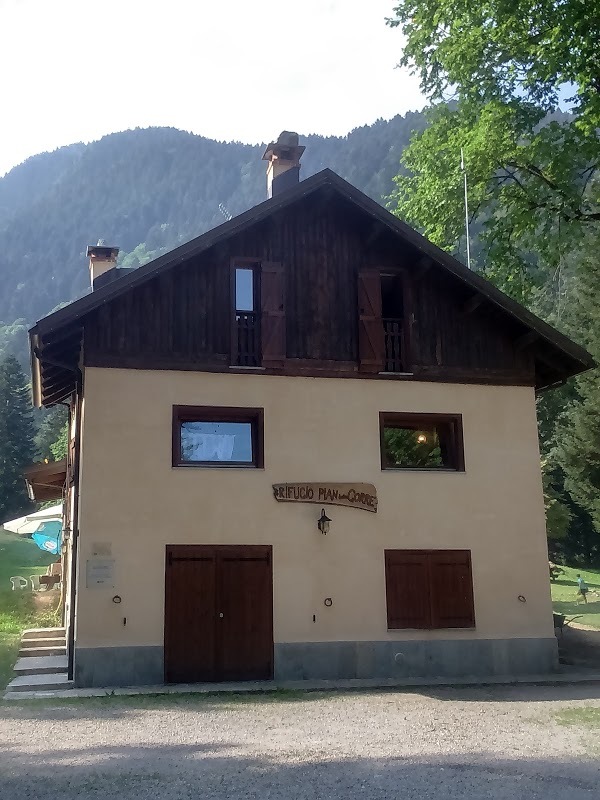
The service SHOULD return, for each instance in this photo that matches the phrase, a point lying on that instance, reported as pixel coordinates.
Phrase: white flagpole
(464, 172)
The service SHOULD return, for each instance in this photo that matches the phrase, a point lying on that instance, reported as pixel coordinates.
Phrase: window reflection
(217, 442)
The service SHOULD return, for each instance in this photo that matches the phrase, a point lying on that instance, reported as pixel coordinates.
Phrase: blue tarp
(48, 536)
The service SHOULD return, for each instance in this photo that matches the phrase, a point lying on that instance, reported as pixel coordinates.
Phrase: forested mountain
(147, 191)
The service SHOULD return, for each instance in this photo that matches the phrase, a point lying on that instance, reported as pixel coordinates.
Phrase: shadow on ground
(122, 706)
(188, 771)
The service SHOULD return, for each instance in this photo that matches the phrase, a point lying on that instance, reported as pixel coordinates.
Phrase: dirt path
(495, 743)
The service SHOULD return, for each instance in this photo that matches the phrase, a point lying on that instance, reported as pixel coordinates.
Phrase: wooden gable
(321, 272)
(327, 261)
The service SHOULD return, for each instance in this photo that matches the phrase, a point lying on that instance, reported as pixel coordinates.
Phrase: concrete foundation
(143, 666)
(118, 666)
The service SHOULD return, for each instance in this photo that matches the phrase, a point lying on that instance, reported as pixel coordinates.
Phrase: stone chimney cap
(102, 251)
(286, 147)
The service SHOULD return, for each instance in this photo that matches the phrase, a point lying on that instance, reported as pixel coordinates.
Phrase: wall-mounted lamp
(324, 522)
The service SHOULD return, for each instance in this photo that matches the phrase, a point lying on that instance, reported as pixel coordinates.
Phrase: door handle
(221, 615)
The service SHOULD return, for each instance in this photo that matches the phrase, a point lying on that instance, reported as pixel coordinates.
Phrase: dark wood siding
(182, 318)
(446, 334)
(321, 254)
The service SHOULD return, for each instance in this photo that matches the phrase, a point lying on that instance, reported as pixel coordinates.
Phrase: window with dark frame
(209, 436)
(429, 589)
(421, 441)
(246, 316)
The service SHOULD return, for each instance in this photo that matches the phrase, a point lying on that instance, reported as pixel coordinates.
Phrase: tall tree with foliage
(16, 439)
(577, 437)
(495, 73)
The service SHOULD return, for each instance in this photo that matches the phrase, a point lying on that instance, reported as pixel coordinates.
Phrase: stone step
(55, 641)
(32, 652)
(43, 633)
(38, 683)
(41, 665)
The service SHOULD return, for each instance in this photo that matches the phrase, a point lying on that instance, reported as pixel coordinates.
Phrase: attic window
(244, 290)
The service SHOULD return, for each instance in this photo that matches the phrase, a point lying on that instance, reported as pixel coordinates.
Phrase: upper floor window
(245, 299)
(208, 436)
(421, 441)
(392, 318)
(258, 314)
(383, 336)
(246, 327)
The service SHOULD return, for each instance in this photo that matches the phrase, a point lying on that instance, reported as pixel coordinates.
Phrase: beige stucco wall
(316, 429)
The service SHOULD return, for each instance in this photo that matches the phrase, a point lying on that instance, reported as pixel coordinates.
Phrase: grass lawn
(579, 716)
(566, 601)
(19, 556)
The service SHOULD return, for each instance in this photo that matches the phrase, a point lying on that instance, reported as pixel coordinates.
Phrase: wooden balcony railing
(248, 338)
(394, 345)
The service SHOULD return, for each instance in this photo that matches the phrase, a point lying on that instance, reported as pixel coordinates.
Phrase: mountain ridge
(147, 191)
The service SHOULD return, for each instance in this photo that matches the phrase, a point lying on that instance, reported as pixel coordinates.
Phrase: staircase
(42, 662)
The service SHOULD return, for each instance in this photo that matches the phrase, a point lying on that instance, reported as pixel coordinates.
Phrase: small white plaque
(100, 572)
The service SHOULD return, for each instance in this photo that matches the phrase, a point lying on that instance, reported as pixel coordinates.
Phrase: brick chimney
(283, 170)
(103, 259)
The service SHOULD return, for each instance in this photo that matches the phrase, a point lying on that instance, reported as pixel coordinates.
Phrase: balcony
(393, 335)
(247, 328)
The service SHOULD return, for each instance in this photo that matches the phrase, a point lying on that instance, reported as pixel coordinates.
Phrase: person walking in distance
(583, 588)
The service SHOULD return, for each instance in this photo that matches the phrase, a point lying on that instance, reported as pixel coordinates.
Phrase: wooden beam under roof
(473, 303)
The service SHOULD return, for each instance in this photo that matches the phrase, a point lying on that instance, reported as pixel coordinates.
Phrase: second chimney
(283, 170)
(103, 259)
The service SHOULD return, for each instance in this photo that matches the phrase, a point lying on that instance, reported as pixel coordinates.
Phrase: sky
(75, 70)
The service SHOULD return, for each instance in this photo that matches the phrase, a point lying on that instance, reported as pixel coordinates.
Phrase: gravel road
(500, 743)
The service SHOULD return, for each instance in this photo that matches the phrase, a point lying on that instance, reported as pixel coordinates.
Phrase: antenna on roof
(225, 212)
(464, 172)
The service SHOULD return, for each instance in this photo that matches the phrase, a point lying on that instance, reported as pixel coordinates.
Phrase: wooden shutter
(370, 325)
(407, 589)
(272, 290)
(451, 589)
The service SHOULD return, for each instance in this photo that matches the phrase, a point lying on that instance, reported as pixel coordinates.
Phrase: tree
(496, 74)
(577, 438)
(50, 431)
(505, 66)
(16, 439)
(60, 447)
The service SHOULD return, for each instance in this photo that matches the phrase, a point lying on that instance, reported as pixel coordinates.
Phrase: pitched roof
(65, 317)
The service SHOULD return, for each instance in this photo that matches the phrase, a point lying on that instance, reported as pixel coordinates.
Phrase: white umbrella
(31, 523)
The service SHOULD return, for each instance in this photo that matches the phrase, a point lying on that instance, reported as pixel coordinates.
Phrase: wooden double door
(218, 613)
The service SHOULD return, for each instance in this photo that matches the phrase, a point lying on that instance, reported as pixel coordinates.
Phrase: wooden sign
(355, 495)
